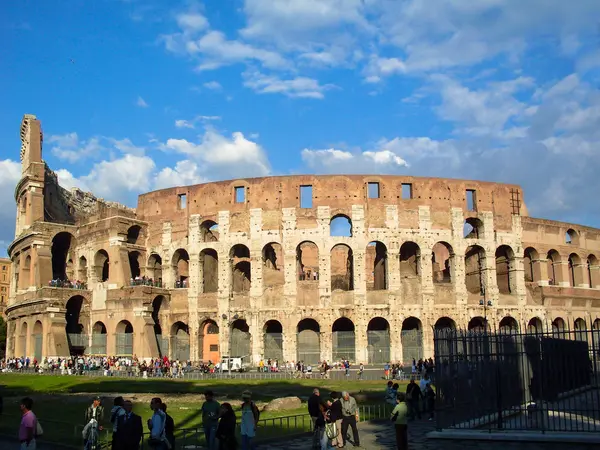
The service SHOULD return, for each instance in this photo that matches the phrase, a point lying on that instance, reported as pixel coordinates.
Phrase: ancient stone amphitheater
(294, 268)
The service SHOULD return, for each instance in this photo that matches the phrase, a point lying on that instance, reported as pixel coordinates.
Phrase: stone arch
(559, 326)
(240, 339)
(74, 328)
(22, 347)
(343, 340)
(378, 341)
(531, 264)
(410, 259)
(505, 266)
(442, 263)
(209, 264)
(62, 244)
(180, 264)
(273, 340)
(208, 340)
(478, 324)
(508, 324)
(124, 339)
(340, 225)
(135, 260)
(445, 344)
(445, 323)
(154, 268)
(412, 340)
(592, 271)
(38, 340)
(99, 339)
(26, 272)
(240, 268)
(580, 327)
(102, 265)
(209, 231)
(308, 341)
(596, 336)
(575, 270)
(376, 266)
(133, 234)
(535, 325)
(273, 267)
(82, 270)
(475, 266)
(553, 262)
(307, 261)
(342, 268)
(473, 228)
(180, 341)
(572, 237)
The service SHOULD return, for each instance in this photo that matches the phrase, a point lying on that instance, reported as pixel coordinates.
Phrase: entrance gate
(343, 345)
(274, 346)
(412, 346)
(124, 344)
(240, 343)
(181, 346)
(37, 346)
(378, 346)
(309, 347)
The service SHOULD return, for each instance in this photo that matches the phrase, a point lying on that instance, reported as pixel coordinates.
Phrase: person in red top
(28, 425)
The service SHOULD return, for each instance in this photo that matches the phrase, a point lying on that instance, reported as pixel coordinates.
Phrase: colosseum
(305, 267)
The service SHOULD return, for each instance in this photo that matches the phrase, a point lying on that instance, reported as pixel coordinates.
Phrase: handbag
(330, 430)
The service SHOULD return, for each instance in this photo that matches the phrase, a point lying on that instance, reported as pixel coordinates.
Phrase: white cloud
(192, 22)
(141, 102)
(183, 123)
(385, 157)
(184, 173)
(10, 174)
(294, 87)
(213, 85)
(127, 147)
(70, 148)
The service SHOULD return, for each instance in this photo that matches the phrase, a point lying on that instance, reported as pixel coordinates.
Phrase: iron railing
(535, 380)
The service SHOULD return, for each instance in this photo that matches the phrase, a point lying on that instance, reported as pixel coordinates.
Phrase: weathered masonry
(296, 268)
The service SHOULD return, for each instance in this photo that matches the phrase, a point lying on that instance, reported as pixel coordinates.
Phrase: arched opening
(572, 237)
(101, 263)
(98, 339)
(580, 330)
(273, 341)
(376, 266)
(378, 341)
(209, 263)
(340, 225)
(209, 231)
(272, 267)
(445, 323)
(505, 259)
(159, 303)
(70, 270)
(473, 228)
(342, 268)
(74, 328)
(445, 344)
(410, 260)
(307, 261)
(181, 268)
(442, 262)
(180, 342)
(558, 326)
(133, 234)
(154, 269)
(531, 264)
(240, 268)
(240, 339)
(592, 271)
(22, 347)
(134, 264)
(535, 325)
(596, 337)
(474, 269)
(209, 342)
(82, 270)
(509, 325)
(124, 339)
(308, 341)
(575, 270)
(477, 324)
(61, 245)
(26, 273)
(553, 264)
(412, 340)
(343, 340)
(38, 340)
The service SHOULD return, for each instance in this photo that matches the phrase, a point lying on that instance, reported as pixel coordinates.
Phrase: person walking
(314, 401)
(169, 426)
(423, 383)
(250, 417)
(210, 418)
(399, 418)
(430, 399)
(361, 371)
(156, 425)
(131, 428)
(116, 412)
(349, 418)
(335, 416)
(413, 397)
(226, 429)
(28, 427)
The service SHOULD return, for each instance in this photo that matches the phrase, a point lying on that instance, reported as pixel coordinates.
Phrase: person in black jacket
(130, 428)
(314, 401)
(413, 398)
(169, 426)
(226, 428)
(335, 416)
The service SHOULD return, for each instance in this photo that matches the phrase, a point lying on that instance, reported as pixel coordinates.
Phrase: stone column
(289, 252)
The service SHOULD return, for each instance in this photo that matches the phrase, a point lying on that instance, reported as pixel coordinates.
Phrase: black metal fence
(544, 381)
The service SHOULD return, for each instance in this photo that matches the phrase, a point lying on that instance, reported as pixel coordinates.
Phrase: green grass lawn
(60, 403)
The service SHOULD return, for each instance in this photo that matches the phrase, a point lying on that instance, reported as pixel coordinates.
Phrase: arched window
(181, 268)
(307, 261)
(209, 231)
(473, 228)
(342, 268)
(531, 264)
(240, 268)
(273, 267)
(376, 266)
(410, 260)
(505, 260)
(101, 263)
(340, 225)
(442, 262)
(61, 245)
(475, 265)
(209, 264)
(273, 341)
(343, 340)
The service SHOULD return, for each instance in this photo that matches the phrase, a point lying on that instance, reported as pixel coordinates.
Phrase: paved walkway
(375, 436)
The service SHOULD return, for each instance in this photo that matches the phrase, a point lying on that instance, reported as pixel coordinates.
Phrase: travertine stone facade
(295, 268)
(5, 265)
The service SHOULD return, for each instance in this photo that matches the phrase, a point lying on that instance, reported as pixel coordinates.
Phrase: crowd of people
(68, 284)
(145, 281)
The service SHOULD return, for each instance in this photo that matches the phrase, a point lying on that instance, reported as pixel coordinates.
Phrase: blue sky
(139, 95)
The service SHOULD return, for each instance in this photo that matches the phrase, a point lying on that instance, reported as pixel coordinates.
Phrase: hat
(246, 394)
(97, 397)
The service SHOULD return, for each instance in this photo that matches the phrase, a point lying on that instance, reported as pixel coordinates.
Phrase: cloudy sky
(141, 95)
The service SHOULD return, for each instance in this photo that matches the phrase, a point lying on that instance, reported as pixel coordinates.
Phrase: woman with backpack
(250, 417)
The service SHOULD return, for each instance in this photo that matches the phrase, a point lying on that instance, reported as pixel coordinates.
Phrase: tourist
(390, 395)
(361, 370)
(226, 428)
(29, 426)
(413, 397)
(313, 411)
(130, 428)
(335, 416)
(95, 411)
(156, 425)
(423, 386)
(250, 416)
(386, 371)
(115, 413)
(323, 440)
(169, 426)
(349, 418)
(430, 400)
(210, 418)
(94, 416)
(399, 418)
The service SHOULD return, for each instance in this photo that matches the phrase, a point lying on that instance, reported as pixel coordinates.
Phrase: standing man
(28, 425)
(156, 425)
(130, 427)
(94, 417)
(423, 386)
(349, 418)
(399, 416)
(413, 398)
(335, 416)
(314, 412)
(361, 371)
(210, 418)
